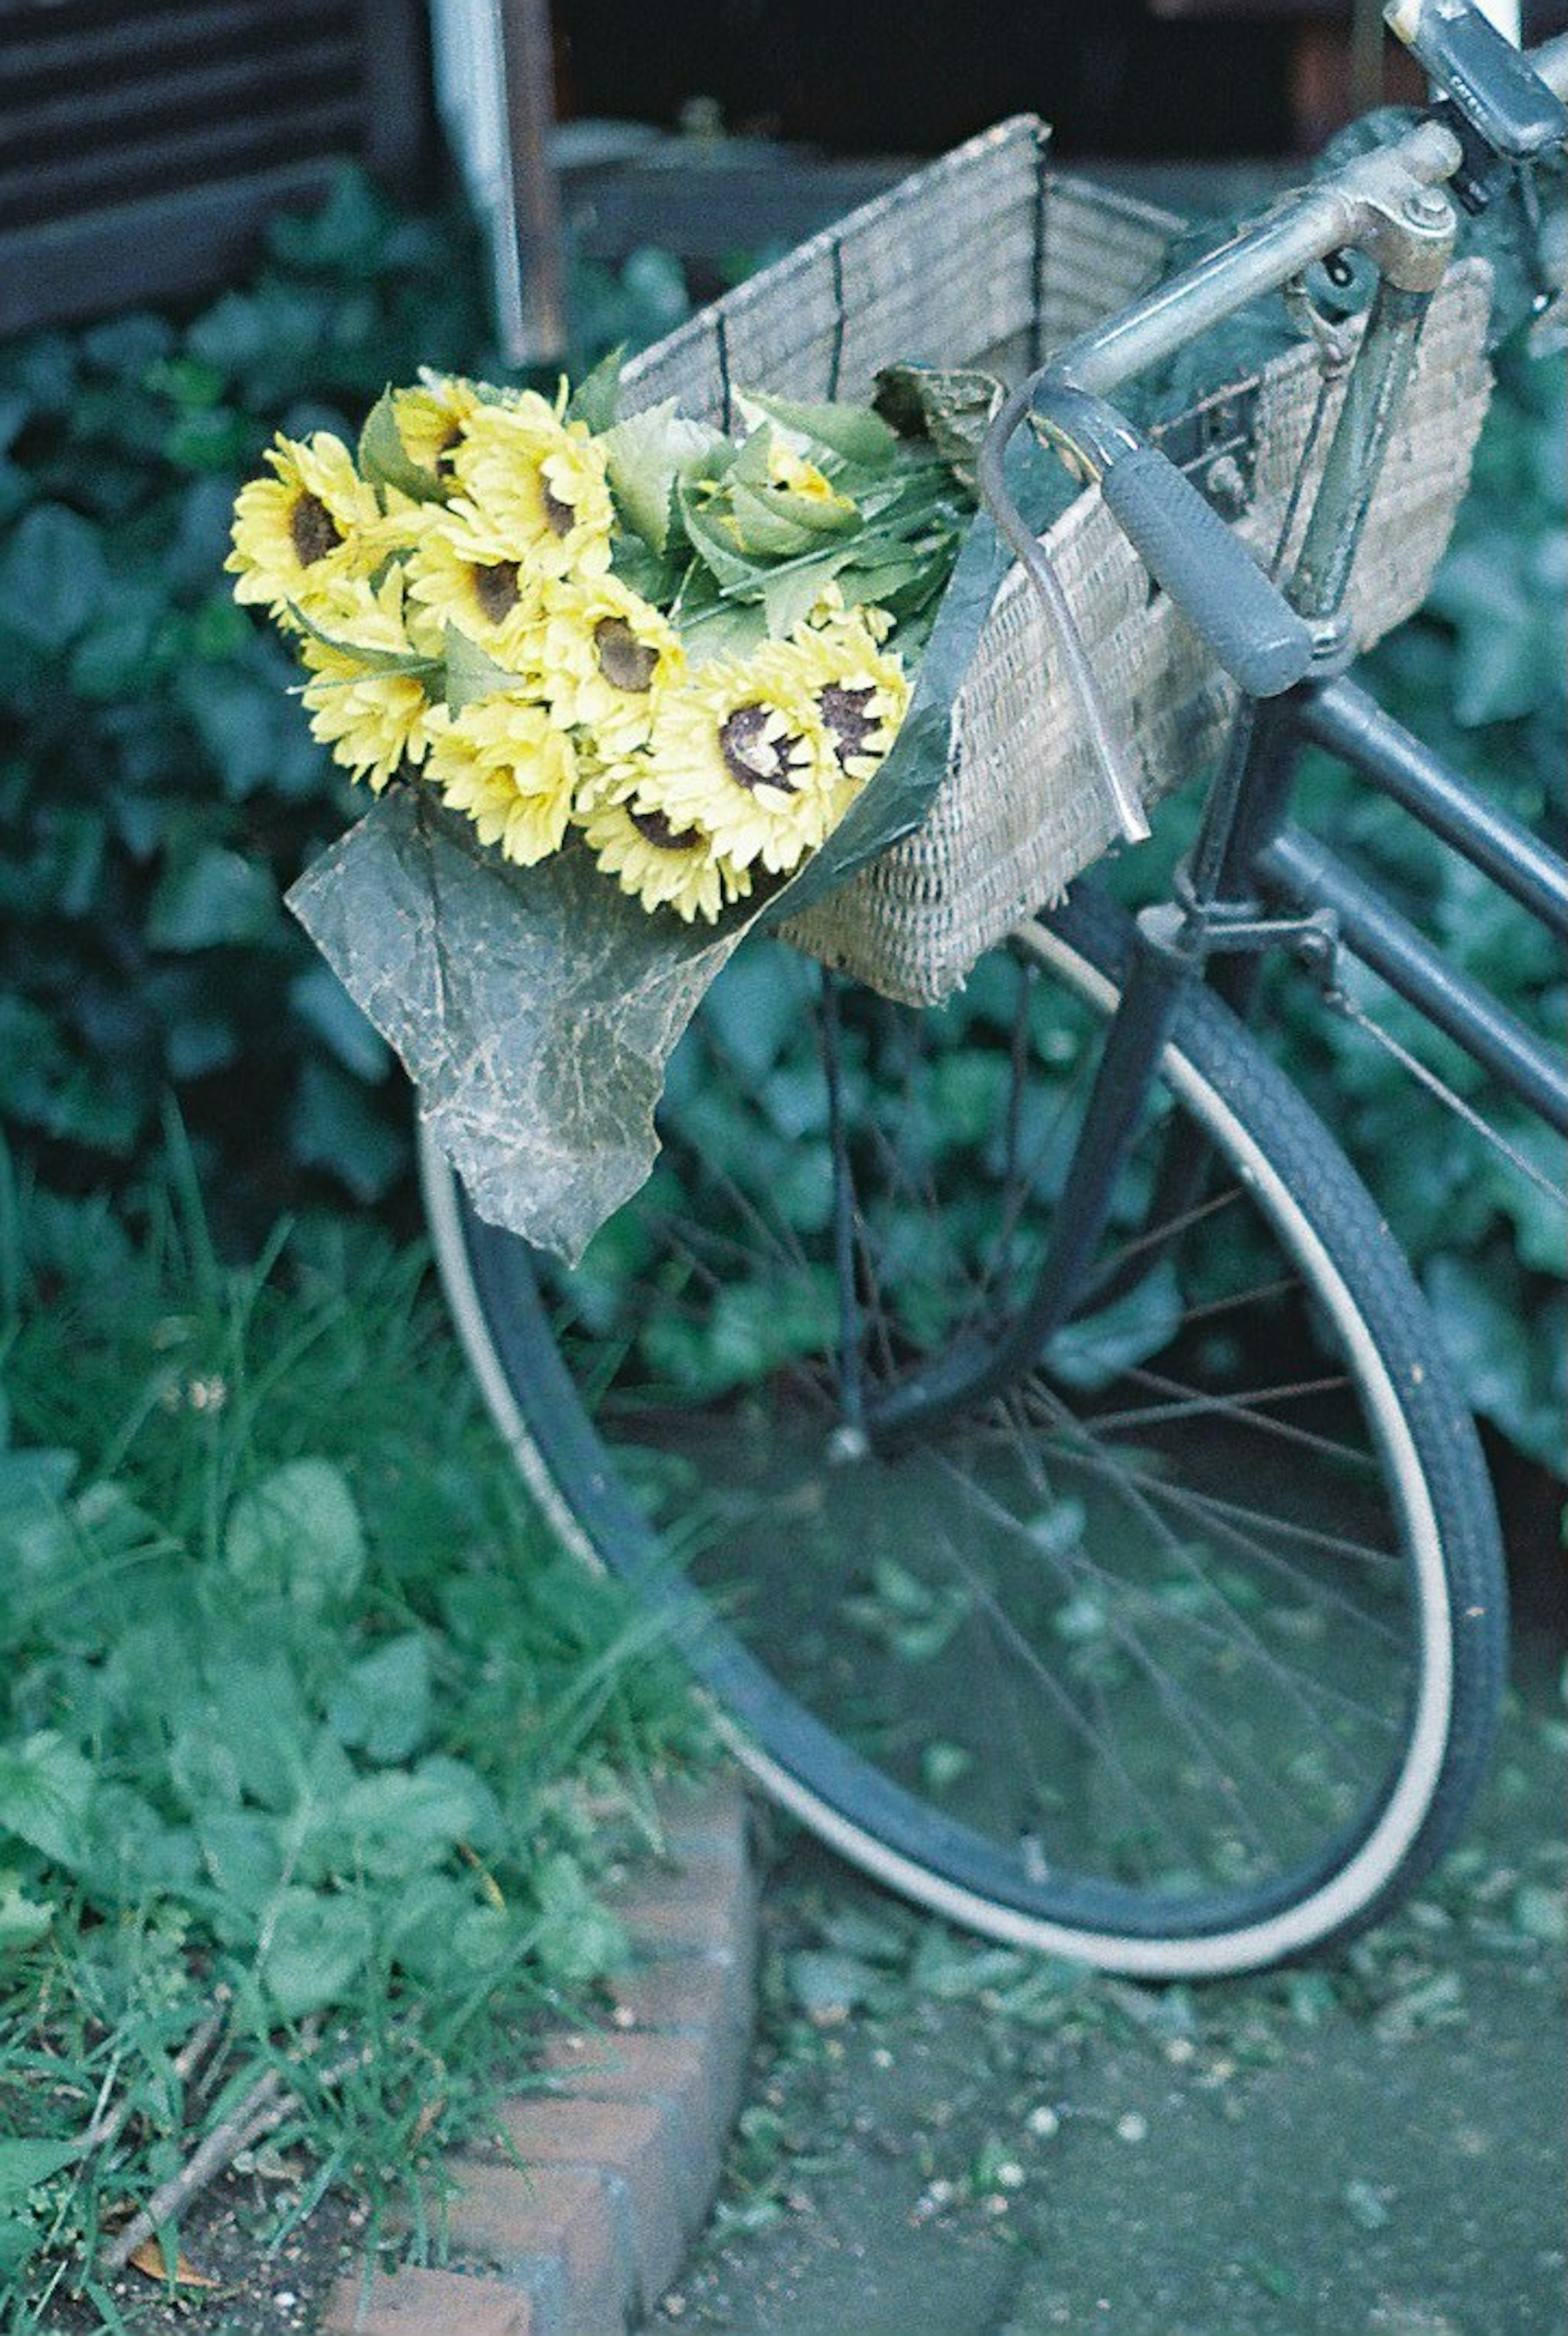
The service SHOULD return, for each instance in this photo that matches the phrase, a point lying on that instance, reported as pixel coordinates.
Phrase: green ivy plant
(158, 788)
(313, 1752)
(1479, 675)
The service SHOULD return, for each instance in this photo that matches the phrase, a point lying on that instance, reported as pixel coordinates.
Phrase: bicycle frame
(1254, 879)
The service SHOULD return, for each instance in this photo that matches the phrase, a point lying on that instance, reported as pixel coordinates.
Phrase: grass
(313, 1749)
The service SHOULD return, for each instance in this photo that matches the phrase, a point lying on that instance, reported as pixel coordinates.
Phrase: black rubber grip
(1208, 572)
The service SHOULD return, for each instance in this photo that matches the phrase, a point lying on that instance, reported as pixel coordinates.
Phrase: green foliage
(158, 788)
(304, 1722)
(1479, 675)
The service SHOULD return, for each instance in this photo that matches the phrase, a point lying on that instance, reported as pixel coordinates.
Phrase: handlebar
(1386, 202)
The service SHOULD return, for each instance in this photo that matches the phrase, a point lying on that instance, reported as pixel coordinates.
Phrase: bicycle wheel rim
(899, 1837)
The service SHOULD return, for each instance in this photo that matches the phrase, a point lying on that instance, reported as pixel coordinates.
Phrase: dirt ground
(964, 2145)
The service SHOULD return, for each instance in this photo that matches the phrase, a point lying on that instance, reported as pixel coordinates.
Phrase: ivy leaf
(209, 898)
(318, 1946)
(53, 578)
(46, 1789)
(332, 1126)
(382, 1708)
(298, 1533)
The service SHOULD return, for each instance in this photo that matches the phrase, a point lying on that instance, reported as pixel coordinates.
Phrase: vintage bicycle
(1020, 1413)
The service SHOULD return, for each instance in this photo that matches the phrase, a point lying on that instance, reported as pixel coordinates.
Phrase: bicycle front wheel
(1181, 1656)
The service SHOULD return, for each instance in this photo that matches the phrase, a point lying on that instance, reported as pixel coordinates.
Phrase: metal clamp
(1193, 932)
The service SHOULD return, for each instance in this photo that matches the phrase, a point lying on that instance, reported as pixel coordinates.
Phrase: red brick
(552, 2230)
(687, 2075)
(688, 1997)
(684, 1995)
(700, 1905)
(428, 2304)
(713, 1819)
(634, 2145)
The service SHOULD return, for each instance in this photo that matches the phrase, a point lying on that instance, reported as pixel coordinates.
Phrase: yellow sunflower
(605, 654)
(653, 859)
(503, 762)
(431, 419)
(374, 721)
(742, 752)
(467, 580)
(308, 528)
(790, 473)
(539, 484)
(861, 691)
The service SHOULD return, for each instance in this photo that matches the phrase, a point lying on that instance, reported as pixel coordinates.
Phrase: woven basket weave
(988, 258)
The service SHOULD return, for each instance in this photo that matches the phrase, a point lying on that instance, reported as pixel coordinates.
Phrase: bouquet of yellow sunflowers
(672, 640)
(613, 682)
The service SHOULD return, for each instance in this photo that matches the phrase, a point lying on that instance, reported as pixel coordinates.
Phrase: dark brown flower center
(625, 662)
(312, 529)
(655, 829)
(843, 710)
(559, 516)
(495, 590)
(751, 756)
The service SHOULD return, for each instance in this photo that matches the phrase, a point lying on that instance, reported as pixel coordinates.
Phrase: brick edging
(623, 2152)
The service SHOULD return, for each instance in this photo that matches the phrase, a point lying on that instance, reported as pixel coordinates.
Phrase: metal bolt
(1425, 207)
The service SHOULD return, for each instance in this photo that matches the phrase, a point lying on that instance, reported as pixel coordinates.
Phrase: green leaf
(23, 1921)
(212, 898)
(730, 567)
(471, 675)
(771, 525)
(826, 1985)
(596, 400)
(316, 1947)
(332, 1126)
(1094, 1351)
(370, 660)
(243, 1853)
(575, 1937)
(45, 1792)
(25, 2165)
(326, 1008)
(396, 1823)
(852, 432)
(258, 1731)
(790, 594)
(297, 1533)
(53, 578)
(385, 461)
(649, 455)
(382, 1708)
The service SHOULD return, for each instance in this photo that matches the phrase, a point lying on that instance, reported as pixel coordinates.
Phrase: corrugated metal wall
(143, 142)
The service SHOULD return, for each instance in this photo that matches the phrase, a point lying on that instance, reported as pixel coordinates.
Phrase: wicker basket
(989, 258)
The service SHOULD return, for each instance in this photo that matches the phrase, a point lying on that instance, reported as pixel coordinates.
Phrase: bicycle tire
(1331, 1691)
